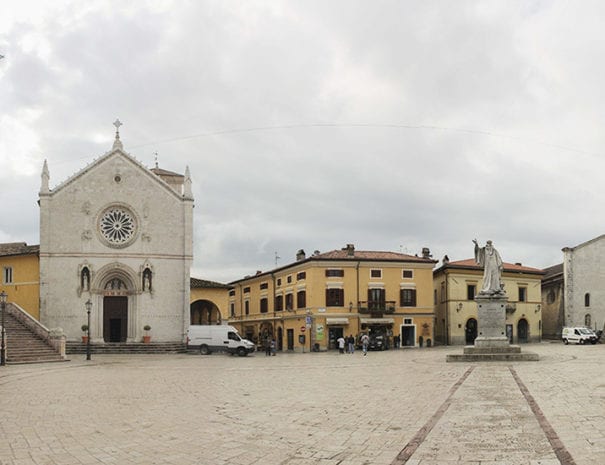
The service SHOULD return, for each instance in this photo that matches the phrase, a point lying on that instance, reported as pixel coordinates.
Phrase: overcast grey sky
(392, 125)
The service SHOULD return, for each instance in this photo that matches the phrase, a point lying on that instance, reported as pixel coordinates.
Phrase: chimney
(426, 252)
(350, 248)
(300, 255)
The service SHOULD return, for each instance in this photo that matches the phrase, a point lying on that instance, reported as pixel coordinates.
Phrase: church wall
(71, 239)
(584, 273)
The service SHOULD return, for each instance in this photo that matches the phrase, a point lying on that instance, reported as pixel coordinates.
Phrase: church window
(117, 226)
(7, 275)
(550, 297)
(587, 320)
(587, 299)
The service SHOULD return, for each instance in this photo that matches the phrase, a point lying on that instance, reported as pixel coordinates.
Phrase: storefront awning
(376, 321)
(337, 321)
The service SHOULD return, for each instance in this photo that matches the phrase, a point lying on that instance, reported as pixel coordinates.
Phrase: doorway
(333, 335)
(408, 336)
(522, 330)
(470, 331)
(290, 338)
(280, 339)
(115, 319)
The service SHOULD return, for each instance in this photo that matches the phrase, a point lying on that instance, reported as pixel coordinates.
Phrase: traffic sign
(303, 329)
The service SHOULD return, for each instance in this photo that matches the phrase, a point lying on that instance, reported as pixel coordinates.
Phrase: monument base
(508, 353)
(492, 344)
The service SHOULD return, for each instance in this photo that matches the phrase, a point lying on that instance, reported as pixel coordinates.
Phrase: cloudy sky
(391, 125)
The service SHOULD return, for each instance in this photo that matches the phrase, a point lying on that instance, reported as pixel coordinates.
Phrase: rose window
(117, 226)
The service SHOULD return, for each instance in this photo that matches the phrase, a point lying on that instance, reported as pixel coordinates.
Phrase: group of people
(350, 344)
(270, 346)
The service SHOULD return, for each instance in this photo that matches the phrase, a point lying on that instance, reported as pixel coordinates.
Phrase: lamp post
(88, 305)
(3, 347)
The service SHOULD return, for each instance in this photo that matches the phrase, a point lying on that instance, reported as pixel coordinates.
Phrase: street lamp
(88, 305)
(3, 347)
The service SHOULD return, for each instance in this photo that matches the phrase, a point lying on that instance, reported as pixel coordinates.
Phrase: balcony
(376, 306)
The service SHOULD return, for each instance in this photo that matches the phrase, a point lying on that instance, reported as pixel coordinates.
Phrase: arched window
(587, 299)
(587, 320)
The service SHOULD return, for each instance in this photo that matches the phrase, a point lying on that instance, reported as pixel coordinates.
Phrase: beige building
(456, 285)
(209, 302)
(310, 303)
(19, 264)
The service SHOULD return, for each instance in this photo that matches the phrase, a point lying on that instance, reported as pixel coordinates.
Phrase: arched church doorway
(115, 318)
(470, 331)
(204, 312)
(115, 311)
(522, 330)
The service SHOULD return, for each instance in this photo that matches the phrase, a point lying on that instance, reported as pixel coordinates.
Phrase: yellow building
(456, 285)
(20, 266)
(310, 303)
(209, 302)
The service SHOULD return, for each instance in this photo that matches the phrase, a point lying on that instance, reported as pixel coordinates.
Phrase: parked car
(579, 335)
(377, 343)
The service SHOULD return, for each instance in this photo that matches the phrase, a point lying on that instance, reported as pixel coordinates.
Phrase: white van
(218, 338)
(578, 335)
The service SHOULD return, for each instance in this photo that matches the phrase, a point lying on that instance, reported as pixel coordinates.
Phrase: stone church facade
(120, 235)
(584, 289)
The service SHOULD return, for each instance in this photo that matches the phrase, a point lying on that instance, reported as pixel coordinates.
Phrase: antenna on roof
(277, 257)
(156, 159)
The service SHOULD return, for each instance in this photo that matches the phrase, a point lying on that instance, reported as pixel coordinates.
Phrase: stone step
(24, 346)
(126, 348)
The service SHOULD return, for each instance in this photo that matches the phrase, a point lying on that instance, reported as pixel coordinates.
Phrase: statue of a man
(489, 258)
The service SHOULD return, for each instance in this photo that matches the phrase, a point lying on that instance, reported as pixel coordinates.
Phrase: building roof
(370, 256)
(349, 254)
(162, 172)
(471, 264)
(553, 274)
(196, 283)
(18, 248)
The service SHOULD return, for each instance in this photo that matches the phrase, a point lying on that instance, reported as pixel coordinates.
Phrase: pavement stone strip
(393, 408)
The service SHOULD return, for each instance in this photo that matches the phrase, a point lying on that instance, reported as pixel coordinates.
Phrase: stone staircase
(73, 347)
(25, 346)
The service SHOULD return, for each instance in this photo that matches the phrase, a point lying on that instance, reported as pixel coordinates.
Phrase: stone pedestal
(491, 343)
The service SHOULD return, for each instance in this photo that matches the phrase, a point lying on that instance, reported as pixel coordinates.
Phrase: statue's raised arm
(489, 258)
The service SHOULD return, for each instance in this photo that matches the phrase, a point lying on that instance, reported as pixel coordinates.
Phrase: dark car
(377, 343)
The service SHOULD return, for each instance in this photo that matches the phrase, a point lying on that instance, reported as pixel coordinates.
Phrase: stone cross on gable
(117, 143)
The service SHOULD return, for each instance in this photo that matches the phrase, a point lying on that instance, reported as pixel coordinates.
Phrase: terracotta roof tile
(370, 255)
(18, 248)
(203, 283)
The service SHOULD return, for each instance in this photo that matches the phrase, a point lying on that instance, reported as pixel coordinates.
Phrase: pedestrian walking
(341, 344)
(365, 340)
(273, 346)
(268, 346)
(396, 341)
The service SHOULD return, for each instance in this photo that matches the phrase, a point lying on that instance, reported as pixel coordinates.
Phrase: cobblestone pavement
(392, 408)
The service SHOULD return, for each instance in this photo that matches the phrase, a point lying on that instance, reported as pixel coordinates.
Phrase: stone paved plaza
(398, 407)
